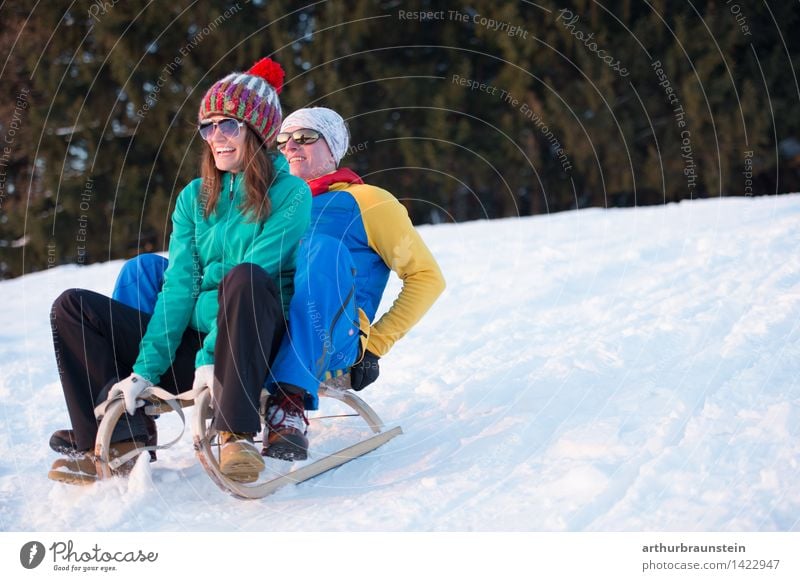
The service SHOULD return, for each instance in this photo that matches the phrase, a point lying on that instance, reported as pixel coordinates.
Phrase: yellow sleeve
(391, 234)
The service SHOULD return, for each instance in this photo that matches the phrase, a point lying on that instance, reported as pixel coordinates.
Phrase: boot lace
(287, 411)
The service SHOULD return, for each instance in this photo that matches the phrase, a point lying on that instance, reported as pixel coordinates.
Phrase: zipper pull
(230, 192)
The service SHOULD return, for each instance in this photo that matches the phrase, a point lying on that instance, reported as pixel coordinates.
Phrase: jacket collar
(326, 183)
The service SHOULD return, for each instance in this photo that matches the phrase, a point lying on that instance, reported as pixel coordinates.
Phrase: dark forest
(464, 110)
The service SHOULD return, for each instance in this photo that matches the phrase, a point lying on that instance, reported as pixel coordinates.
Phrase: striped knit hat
(251, 97)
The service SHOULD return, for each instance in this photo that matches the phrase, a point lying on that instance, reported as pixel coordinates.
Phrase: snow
(596, 370)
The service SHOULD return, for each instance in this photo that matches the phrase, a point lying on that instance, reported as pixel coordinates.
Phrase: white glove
(130, 388)
(204, 377)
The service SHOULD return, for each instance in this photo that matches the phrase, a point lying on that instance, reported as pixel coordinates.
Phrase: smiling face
(308, 161)
(228, 151)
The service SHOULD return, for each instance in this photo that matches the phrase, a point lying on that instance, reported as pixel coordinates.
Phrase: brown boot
(239, 458)
(63, 441)
(81, 468)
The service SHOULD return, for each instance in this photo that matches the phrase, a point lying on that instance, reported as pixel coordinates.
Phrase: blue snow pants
(323, 337)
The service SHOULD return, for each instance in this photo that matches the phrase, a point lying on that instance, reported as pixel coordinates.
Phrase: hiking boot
(81, 467)
(239, 459)
(286, 427)
(63, 441)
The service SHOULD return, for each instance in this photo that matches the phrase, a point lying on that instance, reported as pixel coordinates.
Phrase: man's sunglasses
(228, 128)
(301, 137)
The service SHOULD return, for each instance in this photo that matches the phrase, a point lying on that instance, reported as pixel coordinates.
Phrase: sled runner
(207, 446)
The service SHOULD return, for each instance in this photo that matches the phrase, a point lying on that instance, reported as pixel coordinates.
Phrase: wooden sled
(207, 448)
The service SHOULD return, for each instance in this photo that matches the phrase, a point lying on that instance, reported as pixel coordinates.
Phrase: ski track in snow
(596, 370)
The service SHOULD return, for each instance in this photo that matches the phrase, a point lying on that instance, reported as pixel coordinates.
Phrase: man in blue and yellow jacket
(357, 235)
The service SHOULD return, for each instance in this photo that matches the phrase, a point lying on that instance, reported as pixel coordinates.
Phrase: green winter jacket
(202, 251)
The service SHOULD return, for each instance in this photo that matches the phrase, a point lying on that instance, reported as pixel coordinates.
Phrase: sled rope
(151, 393)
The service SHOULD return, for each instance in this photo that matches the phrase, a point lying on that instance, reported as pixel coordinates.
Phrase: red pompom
(270, 71)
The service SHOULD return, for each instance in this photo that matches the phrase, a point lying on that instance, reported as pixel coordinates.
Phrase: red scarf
(322, 184)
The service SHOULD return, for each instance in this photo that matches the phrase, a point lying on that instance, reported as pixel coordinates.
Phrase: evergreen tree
(462, 110)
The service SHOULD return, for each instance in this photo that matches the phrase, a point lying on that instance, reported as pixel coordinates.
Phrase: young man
(358, 234)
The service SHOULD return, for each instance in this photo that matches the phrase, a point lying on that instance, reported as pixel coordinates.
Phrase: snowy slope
(597, 370)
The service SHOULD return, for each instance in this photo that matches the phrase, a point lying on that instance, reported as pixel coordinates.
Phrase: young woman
(220, 314)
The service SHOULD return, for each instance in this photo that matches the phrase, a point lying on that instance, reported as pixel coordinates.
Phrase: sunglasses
(228, 128)
(301, 137)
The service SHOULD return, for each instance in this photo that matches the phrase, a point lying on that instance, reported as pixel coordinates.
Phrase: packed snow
(594, 370)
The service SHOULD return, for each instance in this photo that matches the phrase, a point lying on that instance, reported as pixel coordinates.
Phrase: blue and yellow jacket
(377, 231)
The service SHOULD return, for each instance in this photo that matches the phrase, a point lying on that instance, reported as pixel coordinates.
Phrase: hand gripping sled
(207, 447)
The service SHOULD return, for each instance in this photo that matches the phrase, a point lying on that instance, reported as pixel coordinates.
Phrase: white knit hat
(329, 124)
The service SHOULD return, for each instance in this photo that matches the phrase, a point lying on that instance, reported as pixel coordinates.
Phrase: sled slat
(311, 470)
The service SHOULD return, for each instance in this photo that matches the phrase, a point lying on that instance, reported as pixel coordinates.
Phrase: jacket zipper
(230, 191)
(341, 309)
(322, 361)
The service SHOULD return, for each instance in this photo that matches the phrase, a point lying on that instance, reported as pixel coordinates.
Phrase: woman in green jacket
(220, 315)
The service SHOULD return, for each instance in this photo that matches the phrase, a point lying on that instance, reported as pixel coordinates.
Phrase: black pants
(96, 341)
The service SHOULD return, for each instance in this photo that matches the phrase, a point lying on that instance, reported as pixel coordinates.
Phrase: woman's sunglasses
(228, 128)
(301, 137)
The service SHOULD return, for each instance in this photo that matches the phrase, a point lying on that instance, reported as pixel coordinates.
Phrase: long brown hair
(258, 175)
